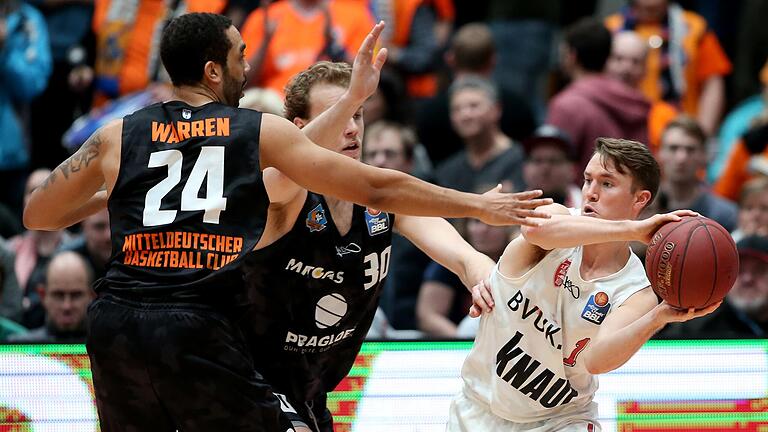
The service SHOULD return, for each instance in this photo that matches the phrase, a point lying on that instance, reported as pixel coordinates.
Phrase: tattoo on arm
(83, 156)
(48, 181)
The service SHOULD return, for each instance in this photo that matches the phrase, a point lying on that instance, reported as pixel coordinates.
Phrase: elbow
(595, 367)
(36, 220)
(537, 235)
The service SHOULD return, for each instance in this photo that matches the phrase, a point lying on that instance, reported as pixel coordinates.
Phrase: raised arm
(283, 146)
(72, 190)
(326, 128)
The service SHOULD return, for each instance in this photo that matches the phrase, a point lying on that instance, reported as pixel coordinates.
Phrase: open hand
(513, 208)
(482, 299)
(645, 228)
(668, 313)
(367, 68)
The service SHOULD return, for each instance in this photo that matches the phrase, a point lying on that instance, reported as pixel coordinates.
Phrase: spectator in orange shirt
(686, 63)
(286, 37)
(127, 48)
(627, 64)
(748, 159)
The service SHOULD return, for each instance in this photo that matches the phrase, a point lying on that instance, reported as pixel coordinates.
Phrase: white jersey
(524, 365)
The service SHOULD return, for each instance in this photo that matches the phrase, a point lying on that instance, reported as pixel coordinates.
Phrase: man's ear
(212, 71)
(300, 122)
(642, 199)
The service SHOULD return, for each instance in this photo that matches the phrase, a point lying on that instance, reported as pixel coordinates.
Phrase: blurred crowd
(474, 94)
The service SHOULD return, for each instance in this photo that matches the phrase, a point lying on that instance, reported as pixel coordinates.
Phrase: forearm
(563, 231)
(326, 128)
(610, 351)
(443, 244)
(711, 104)
(396, 192)
(92, 206)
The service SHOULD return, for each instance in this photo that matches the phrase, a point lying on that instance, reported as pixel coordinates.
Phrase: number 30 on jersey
(376, 267)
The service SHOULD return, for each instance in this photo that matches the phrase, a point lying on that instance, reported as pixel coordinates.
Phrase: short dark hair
(407, 135)
(473, 47)
(633, 157)
(190, 41)
(591, 42)
(690, 126)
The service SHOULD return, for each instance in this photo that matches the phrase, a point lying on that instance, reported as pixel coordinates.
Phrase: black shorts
(313, 414)
(171, 366)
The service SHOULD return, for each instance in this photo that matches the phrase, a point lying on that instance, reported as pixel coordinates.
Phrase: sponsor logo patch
(376, 221)
(596, 308)
(562, 269)
(316, 220)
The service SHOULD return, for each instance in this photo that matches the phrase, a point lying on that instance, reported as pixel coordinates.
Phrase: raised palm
(367, 67)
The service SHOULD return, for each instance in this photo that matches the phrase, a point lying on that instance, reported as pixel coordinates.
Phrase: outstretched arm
(441, 242)
(626, 330)
(564, 230)
(283, 146)
(71, 191)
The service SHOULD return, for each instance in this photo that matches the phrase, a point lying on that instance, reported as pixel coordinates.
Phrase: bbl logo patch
(316, 220)
(376, 221)
(596, 308)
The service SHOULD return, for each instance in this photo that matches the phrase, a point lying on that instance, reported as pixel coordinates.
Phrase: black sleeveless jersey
(189, 201)
(315, 293)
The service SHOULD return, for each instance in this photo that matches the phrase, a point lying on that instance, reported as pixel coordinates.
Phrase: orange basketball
(692, 263)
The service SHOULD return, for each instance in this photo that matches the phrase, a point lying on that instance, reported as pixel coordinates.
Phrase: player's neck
(604, 259)
(195, 95)
(341, 212)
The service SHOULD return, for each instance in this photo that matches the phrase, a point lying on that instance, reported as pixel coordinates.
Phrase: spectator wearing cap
(489, 156)
(744, 313)
(683, 155)
(550, 165)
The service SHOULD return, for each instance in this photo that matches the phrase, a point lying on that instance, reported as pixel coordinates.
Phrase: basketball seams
(659, 245)
(714, 255)
(682, 266)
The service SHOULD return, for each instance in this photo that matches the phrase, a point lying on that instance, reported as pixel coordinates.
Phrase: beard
(233, 89)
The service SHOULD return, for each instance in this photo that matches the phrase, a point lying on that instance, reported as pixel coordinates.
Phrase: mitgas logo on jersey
(376, 221)
(316, 220)
(314, 272)
(596, 308)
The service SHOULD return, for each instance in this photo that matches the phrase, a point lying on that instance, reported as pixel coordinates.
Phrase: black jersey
(189, 201)
(315, 293)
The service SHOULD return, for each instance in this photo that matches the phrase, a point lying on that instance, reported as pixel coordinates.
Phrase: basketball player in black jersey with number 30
(316, 288)
(183, 184)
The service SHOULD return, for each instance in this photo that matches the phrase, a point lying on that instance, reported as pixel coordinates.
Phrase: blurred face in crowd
(321, 97)
(750, 292)
(650, 11)
(753, 213)
(68, 292)
(681, 156)
(386, 150)
(547, 168)
(98, 236)
(627, 60)
(487, 239)
(609, 194)
(473, 113)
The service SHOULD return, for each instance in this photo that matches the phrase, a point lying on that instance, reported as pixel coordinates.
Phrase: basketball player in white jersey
(572, 301)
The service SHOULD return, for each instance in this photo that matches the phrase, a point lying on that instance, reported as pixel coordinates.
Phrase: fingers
(370, 41)
(474, 311)
(381, 58)
(527, 195)
(496, 188)
(482, 297)
(681, 213)
(534, 203)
